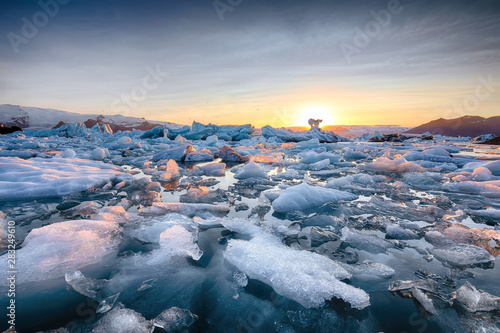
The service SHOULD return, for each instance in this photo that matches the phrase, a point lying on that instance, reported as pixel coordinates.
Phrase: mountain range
(41, 118)
(464, 126)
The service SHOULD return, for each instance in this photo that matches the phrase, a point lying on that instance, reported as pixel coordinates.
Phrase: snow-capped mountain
(41, 118)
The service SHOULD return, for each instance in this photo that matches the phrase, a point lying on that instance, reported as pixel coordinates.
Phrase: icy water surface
(116, 234)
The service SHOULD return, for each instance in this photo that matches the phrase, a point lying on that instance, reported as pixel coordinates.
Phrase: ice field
(213, 229)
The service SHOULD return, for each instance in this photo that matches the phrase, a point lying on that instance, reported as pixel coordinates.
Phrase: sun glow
(316, 112)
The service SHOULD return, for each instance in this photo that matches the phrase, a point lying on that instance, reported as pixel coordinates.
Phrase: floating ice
(424, 300)
(364, 241)
(189, 209)
(340, 182)
(98, 154)
(350, 154)
(309, 157)
(174, 319)
(481, 174)
(68, 153)
(304, 196)
(493, 166)
(474, 300)
(121, 320)
(85, 286)
(174, 242)
(396, 231)
(171, 172)
(251, 170)
(292, 136)
(54, 250)
(369, 270)
(107, 304)
(214, 169)
(462, 255)
(212, 140)
(227, 154)
(400, 164)
(177, 154)
(308, 278)
(485, 188)
(198, 157)
(44, 178)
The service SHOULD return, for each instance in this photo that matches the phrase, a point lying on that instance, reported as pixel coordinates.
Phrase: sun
(316, 112)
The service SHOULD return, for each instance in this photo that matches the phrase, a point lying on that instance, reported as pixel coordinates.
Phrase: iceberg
(305, 196)
(57, 249)
(308, 278)
(38, 178)
(292, 136)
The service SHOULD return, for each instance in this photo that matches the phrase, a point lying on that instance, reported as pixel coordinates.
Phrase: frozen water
(474, 300)
(44, 178)
(367, 242)
(370, 270)
(175, 241)
(380, 198)
(107, 304)
(98, 154)
(54, 250)
(122, 320)
(308, 278)
(400, 164)
(68, 153)
(309, 157)
(304, 196)
(228, 154)
(424, 300)
(86, 286)
(251, 170)
(174, 319)
(396, 231)
(189, 209)
(462, 255)
(177, 154)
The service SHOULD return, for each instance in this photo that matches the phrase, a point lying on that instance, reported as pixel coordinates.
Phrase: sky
(254, 61)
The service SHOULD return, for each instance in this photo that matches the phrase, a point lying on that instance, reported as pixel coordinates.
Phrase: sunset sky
(254, 61)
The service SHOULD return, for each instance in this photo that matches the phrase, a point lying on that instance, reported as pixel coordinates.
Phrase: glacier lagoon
(142, 231)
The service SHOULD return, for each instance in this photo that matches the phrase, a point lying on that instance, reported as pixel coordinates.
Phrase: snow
(304, 196)
(52, 251)
(44, 178)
